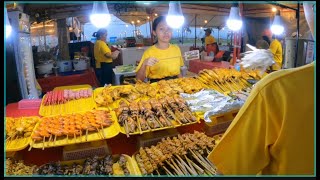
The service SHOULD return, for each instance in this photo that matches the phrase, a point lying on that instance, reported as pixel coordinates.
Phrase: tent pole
(297, 37)
(195, 31)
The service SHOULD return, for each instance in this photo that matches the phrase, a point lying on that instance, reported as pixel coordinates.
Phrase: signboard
(192, 55)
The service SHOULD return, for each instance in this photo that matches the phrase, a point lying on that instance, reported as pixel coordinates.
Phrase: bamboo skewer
(167, 171)
(139, 126)
(158, 172)
(31, 144)
(202, 163)
(194, 165)
(173, 167)
(44, 138)
(182, 168)
(192, 171)
(126, 128)
(87, 134)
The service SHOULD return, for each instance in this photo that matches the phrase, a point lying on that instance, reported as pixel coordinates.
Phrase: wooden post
(195, 31)
(63, 39)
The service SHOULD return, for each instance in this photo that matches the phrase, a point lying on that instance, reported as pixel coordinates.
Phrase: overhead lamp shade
(7, 23)
(100, 16)
(175, 18)
(277, 27)
(234, 21)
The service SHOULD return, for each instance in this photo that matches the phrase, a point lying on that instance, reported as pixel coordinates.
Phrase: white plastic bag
(257, 59)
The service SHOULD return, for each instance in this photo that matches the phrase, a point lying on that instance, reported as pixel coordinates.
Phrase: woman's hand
(150, 61)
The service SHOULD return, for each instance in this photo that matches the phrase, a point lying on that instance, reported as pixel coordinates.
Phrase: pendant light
(277, 27)
(100, 16)
(175, 18)
(234, 21)
(7, 23)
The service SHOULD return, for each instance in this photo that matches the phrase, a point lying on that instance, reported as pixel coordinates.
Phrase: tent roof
(214, 13)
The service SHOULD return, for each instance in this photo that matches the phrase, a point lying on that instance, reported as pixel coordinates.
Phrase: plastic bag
(257, 59)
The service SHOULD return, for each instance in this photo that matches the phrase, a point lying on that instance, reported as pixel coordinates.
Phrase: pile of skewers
(71, 126)
(153, 114)
(92, 166)
(224, 80)
(17, 128)
(57, 97)
(179, 85)
(14, 167)
(182, 155)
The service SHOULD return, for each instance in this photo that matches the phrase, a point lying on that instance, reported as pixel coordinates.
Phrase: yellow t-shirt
(273, 133)
(209, 40)
(276, 49)
(100, 49)
(165, 67)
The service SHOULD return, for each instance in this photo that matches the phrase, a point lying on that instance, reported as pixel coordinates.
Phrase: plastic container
(21, 143)
(219, 124)
(149, 139)
(29, 104)
(81, 64)
(64, 65)
(82, 151)
(208, 58)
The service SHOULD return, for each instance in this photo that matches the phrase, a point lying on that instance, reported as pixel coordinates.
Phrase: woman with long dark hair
(162, 60)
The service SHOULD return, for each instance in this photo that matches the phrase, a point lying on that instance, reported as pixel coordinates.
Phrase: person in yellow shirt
(162, 60)
(276, 49)
(103, 57)
(273, 133)
(209, 39)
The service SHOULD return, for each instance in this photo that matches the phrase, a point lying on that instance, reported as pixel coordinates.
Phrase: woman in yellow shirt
(276, 49)
(162, 60)
(103, 57)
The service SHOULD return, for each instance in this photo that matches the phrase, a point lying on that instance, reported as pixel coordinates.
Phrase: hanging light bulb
(175, 17)
(234, 21)
(277, 27)
(100, 16)
(8, 26)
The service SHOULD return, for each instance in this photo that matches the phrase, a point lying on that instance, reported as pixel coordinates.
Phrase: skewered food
(153, 114)
(109, 95)
(181, 155)
(17, 128)
(56, 97)
(71, 126)
(224, 80)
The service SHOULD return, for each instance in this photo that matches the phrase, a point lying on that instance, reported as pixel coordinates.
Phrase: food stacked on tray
(14, 167)
(66, 101)
(153, 114)
(108, 95)
(18, 132)
(182, 155)
(227, 80)
(108, 165)
(74, 128)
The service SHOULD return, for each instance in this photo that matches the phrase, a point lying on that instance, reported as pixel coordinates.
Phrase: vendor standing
(276, 49)
(103, 57)
(162, 60)
(209, 39)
